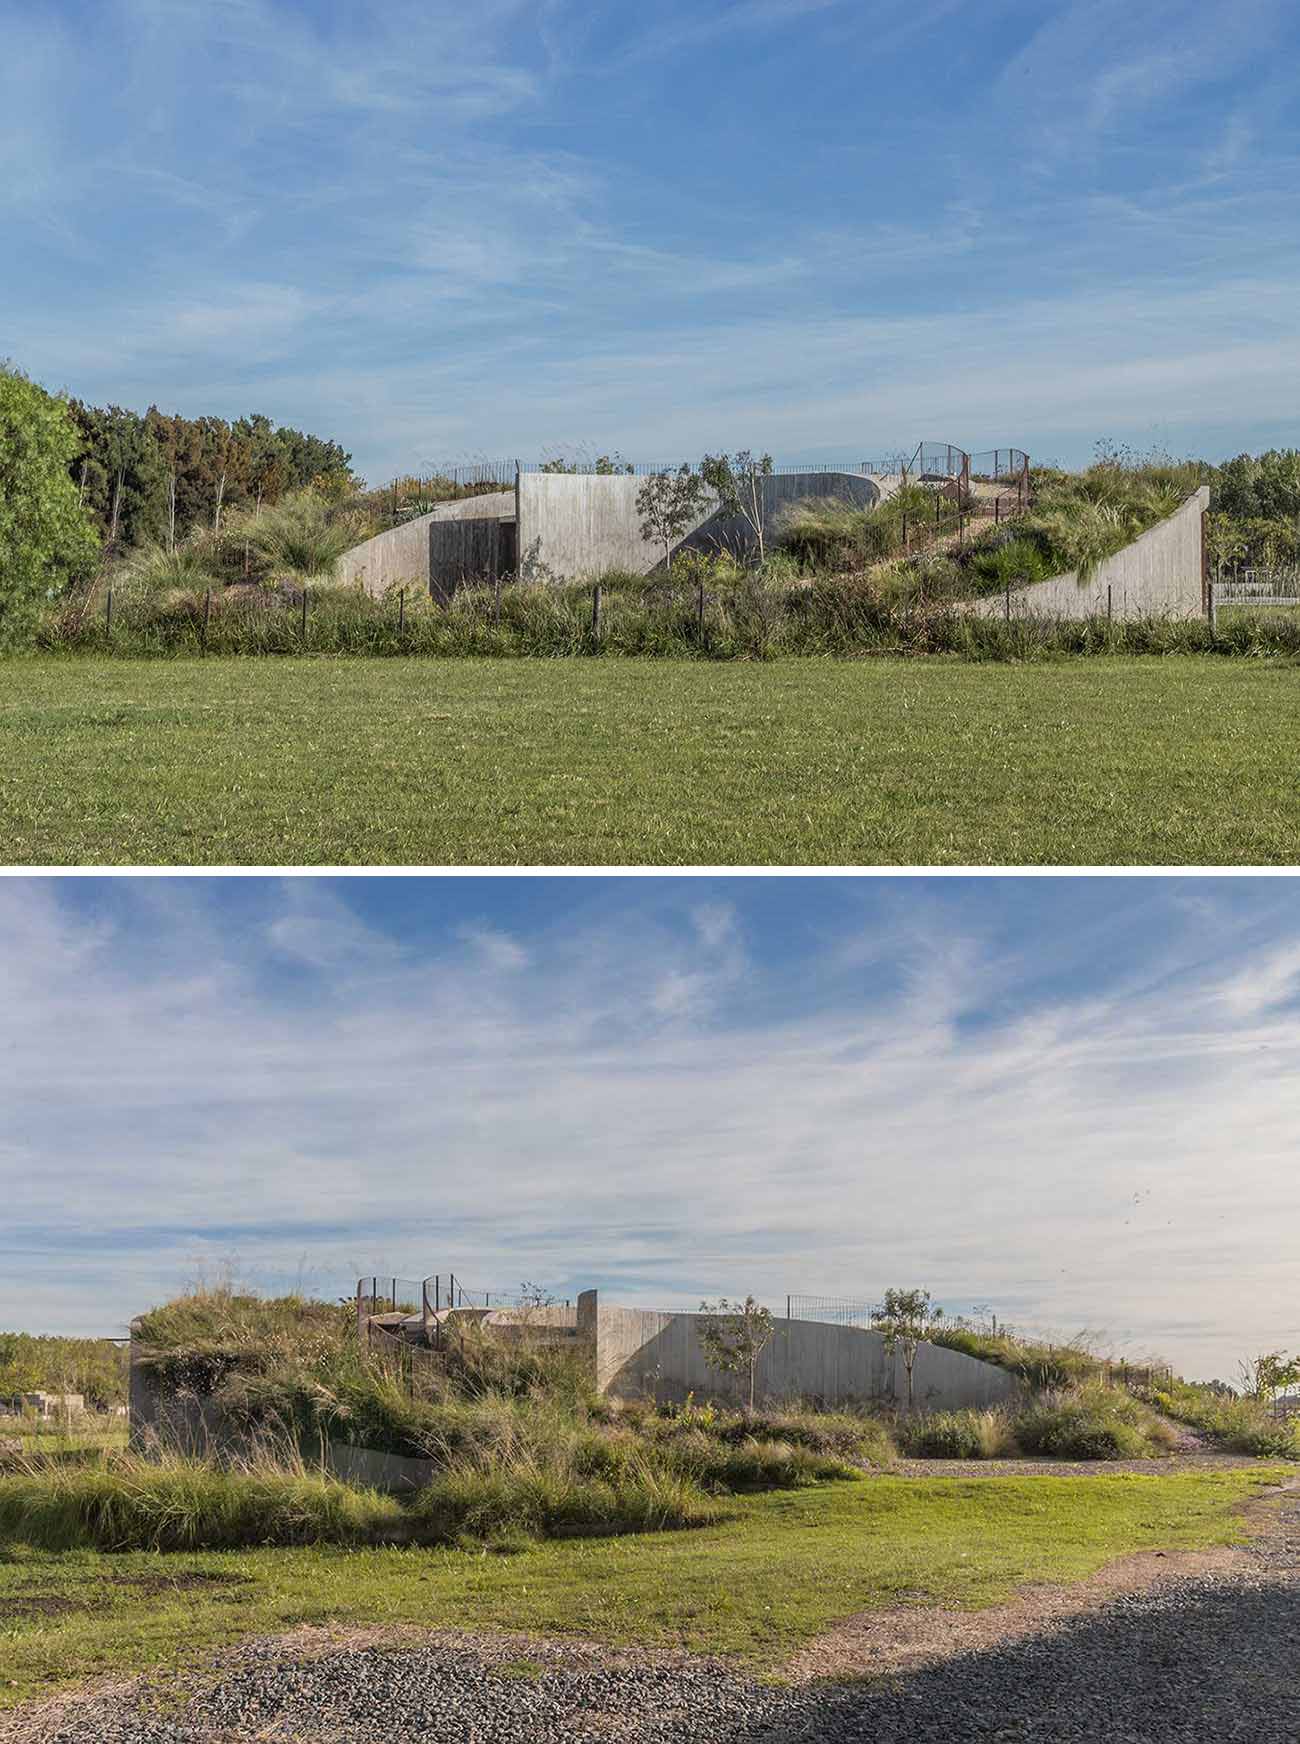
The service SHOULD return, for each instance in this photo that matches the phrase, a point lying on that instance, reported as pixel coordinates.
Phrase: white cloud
(495, 948)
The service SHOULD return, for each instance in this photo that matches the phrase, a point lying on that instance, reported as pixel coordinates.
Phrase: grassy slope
(800, 762)
(782, 1570)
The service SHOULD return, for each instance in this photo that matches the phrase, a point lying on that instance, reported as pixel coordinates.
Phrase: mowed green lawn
(785, 1568)
(1092, 761)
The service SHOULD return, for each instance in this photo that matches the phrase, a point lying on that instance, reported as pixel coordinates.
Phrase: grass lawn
(781, 1570)
(1089, 761)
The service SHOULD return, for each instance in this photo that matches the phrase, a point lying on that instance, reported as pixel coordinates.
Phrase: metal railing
(944, 464)
(1252, 587)
(426, 1302)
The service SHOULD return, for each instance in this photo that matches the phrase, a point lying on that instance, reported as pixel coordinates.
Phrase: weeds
(1091, 1422)
(959, 1435)
(1237, 1425)
(893, 610)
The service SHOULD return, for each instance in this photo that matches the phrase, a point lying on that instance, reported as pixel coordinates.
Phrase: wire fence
(501, 473)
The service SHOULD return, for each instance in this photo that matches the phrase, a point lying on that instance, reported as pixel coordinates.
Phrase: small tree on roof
(1270, 1374)
(734, 1335)
(737, 482)
(669, 504)
(906, 1318)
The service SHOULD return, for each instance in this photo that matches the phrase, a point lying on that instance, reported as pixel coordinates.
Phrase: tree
(45, 539)
(737, 482)
(906, 1319)
(1270, 1374)
(669, 504)
(734, 1335)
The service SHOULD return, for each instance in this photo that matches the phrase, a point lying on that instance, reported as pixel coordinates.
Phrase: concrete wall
(642, 1353)
(578, 525)
(1160, 574)
(401, 557)
(732, 533)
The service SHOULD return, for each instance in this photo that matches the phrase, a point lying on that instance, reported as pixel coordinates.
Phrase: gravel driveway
(1188, 1660)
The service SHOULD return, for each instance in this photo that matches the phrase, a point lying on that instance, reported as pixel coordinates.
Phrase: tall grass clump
(300, 538)
(489, 1497)
(1091, 1422)
(967, 1434)
(156, 571)
(178, 1503)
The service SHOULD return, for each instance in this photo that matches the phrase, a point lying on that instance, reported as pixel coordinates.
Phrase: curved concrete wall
(1161, 574)
(401, 557)
(641, 1353)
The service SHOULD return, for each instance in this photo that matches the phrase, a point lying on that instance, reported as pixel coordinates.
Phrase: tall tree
(45, 537)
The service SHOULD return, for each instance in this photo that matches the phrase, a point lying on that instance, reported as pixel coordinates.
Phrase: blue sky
(525, 227)
(1074, 1099)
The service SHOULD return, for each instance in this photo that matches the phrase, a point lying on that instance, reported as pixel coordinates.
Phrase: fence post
(904, 535)
(207, 614)
(1214, 609)
(595, 612)
(1110, 601)
(304, 614)
(108, 613)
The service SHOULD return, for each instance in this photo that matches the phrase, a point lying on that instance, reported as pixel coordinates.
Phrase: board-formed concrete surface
(566, 527)
(401, 556)
(1160, 575)
(642, 1353)
(578, 526)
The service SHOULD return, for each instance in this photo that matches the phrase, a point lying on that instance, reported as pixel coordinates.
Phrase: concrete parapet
(1160, 575)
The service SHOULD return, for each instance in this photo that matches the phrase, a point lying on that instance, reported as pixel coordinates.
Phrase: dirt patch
(906, 1637)
(23, 1605)
(191, 1580)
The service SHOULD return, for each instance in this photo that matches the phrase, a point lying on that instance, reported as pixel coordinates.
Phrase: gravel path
(1190, 1659)
(1068, 1468)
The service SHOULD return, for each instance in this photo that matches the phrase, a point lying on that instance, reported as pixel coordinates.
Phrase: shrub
(1088, 1423)
(45, 540)
(1237, 1425)
(958, 1435)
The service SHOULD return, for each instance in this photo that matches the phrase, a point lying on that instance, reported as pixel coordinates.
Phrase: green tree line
(94, 1367)
(153, 476)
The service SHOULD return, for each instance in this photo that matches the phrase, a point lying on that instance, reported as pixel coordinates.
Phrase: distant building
(44, 1405)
